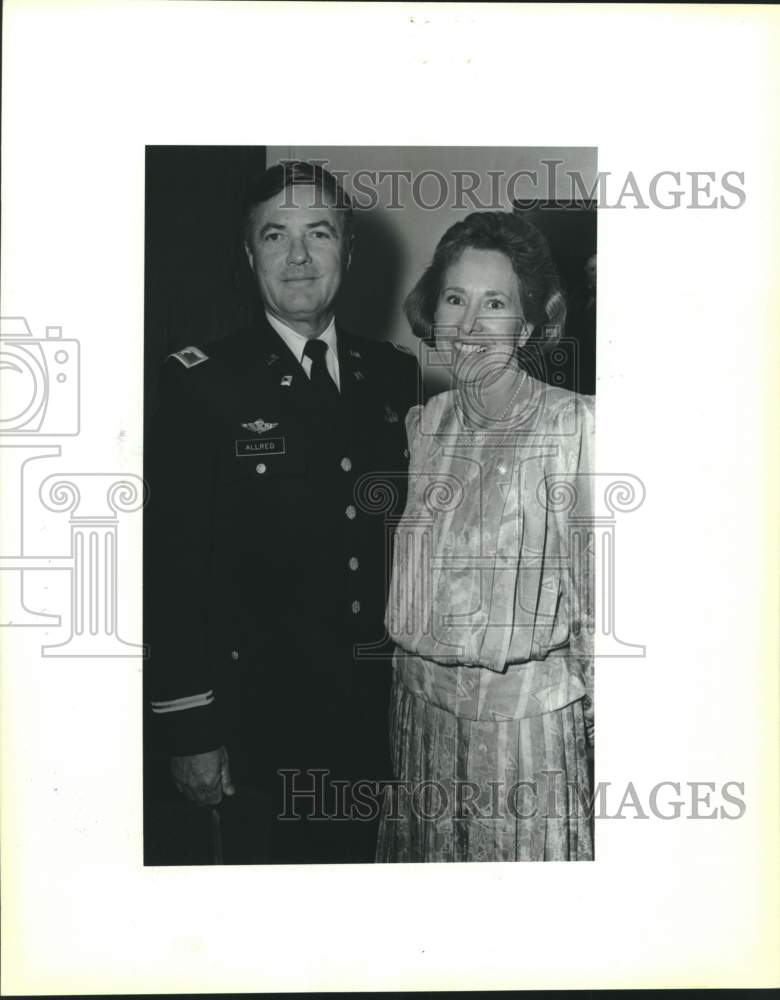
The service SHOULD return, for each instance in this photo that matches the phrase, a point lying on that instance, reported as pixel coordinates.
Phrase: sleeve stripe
(189, 697)
(180, 704)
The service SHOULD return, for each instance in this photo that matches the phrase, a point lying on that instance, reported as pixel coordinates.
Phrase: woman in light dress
(490, 606)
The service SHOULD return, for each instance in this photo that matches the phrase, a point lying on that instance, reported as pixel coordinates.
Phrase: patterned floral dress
(491, 612)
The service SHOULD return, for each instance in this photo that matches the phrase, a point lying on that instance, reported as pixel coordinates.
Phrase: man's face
(297, 251)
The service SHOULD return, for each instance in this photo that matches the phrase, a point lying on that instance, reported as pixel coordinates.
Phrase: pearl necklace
(501, 417)
(513, 400)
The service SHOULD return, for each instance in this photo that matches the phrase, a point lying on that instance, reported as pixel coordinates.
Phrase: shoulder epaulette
(190, 356)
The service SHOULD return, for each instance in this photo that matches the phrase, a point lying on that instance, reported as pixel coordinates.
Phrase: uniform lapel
(265, 359)
(355, 377)
(363, 396)
(281, 368)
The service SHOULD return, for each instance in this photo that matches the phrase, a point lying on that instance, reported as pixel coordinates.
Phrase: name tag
(250, 447)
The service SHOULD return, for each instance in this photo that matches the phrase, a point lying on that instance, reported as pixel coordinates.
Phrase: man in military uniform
(276, 467)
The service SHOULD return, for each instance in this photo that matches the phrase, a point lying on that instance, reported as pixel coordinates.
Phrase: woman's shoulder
(428, 416)
(563, 405)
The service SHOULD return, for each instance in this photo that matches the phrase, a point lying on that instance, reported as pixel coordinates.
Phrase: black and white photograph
(367, 552)
(388, 445)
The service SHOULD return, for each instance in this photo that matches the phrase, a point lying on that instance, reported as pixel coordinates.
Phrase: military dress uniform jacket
(268, 529)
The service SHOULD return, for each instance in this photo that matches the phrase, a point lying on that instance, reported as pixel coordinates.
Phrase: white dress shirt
(296, 342)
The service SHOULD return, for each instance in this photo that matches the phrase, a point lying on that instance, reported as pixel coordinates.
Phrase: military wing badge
(190, 356)
(259, 426)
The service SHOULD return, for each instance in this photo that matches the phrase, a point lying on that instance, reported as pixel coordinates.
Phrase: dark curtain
(198, 285)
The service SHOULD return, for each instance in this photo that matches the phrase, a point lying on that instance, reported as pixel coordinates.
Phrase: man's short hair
(291, 173)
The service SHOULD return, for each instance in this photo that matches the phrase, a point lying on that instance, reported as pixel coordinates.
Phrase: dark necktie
(319, 376)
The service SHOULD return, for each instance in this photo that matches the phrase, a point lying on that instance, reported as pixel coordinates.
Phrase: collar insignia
(259, 426)
(190, 356)
(359, 376)
(271, 359)
(286, 380)
(391, 417)
(355, 354)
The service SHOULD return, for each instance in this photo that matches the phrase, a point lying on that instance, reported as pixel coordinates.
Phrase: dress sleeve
(413, 426)
(414, 440)
(577, 418)
(406, 607)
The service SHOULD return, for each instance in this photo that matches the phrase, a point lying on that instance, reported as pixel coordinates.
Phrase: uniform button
(356, 607)
(351, 512)
(260, 468)
(234, 654)
(346, 464)
(353, 563)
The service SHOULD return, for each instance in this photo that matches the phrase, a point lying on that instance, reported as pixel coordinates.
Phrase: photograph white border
(687, 383)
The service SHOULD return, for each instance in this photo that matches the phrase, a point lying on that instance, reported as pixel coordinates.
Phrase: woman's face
(480, 315)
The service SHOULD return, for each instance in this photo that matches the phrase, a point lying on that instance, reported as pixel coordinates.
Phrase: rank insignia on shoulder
(286, 380)
(190, 356)
(259, 426)
(391, 417)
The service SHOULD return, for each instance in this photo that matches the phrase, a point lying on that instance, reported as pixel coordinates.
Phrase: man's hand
(202, 778)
